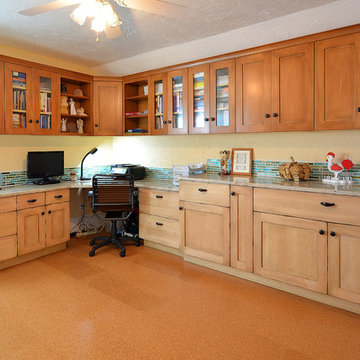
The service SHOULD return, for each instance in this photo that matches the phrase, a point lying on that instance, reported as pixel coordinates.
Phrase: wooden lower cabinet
(344, 262)
(31, 230)
(205, 231)
(291, 250)
(57, 224)
(241, 210)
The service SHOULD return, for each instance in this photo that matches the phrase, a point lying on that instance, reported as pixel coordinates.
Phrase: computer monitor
(44, 165)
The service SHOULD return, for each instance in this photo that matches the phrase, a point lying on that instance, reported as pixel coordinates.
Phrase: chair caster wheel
(91, 253)
(92, 242)
(122, 253)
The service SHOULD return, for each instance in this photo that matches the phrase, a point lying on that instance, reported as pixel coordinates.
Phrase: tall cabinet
(2, 98)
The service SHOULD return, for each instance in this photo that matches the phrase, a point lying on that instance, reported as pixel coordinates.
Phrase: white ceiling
(55, 34)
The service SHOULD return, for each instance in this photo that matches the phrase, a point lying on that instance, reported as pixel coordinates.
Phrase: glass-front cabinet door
(46, 93)
(157, 107)
(222, 97)
(199, 100)
(177, 102)
(19, 99)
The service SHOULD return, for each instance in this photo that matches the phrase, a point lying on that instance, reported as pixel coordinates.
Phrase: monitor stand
(46, 181)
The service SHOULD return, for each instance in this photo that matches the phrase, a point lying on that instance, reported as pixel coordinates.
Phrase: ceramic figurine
(64, 105)
(80, 111)
(224, 157)
(63, 125)
(63, 89)
(80, 126)
(337, 168)
(72, 107)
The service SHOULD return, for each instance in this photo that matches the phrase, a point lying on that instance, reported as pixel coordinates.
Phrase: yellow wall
(165, 151)
(46, 60)
(14, 148)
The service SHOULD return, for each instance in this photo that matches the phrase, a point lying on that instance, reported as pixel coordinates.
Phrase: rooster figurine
(337, 168)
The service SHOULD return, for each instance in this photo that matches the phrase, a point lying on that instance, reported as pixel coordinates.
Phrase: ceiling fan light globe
(91, 7)
(98, 24)
(78, 16)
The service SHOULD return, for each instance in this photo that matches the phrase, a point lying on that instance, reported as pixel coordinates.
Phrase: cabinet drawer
(30, 200)
(213, 194)
(7, 204)
(343, 209)
(8, 247)
(160, 203)
(160, 230)
(57, 196)
(8, 224)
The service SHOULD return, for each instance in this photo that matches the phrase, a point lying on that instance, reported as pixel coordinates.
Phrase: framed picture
(241, 161)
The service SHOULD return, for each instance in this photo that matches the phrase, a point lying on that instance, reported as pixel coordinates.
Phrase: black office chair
(114, 195)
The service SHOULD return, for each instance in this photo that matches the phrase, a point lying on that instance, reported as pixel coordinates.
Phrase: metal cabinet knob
(332, 233)
(232, 193)
(96, 125)
(275, 114)
(212, 119)
(49, 212)
(180, 207)
(267, 116)
(321, 232)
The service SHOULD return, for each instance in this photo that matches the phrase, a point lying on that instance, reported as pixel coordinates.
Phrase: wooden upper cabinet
(199, 122)
(107, 108)
(293, 88)
(158, 104)
(222, 97)
(337, 79)
(344, 264)
(177, 102)
(46, 95)
(253, 93)
(19, 89)
(2, 98)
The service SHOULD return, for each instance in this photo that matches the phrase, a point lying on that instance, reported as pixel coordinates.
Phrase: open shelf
(136, 116)
(75, 116)
(137, 98)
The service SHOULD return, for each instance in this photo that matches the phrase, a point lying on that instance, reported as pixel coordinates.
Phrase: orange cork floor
(152, 305)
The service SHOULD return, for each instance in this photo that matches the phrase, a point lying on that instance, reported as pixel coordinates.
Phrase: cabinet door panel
(107, 108)
(57, 223)
(46, 94)
(291, 250)
(199, 100)
(19, 112)
(253, 93)
(177, 89)
(31, 230)
(205, 232)
(241, 228)
(293, 88)
(337, 83)
(222, 97)
(344, 264)
(158, 104)
(2, 98)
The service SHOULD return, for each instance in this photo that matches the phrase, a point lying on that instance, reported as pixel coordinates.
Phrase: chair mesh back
(113, 192)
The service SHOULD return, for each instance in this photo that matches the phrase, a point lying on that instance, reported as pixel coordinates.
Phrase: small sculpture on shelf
(63, 125)
(78, 92)
(72, 107)
(294, 170)
(337, 168)
(63, 88)
(224, 157)
(80, 111)
(80, 126)
(64, 105)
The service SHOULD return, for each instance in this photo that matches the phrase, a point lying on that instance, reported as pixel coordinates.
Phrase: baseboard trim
(32, 256)
(308, 294)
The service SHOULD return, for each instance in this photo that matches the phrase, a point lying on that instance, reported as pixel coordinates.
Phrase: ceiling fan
(105, 18)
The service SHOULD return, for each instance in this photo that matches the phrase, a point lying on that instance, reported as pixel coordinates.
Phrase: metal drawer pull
(58, 196)
(159, 196)
(333, 233)
(202, 190)
(31, 200)
(159, 224)
(321, 232)
(327, 204)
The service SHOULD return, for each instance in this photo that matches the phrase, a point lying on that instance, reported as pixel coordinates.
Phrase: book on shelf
(19, 120)
(134, 113)
(159, 104)
(19, 99)
(45, 121)
(222, 80)
(136, 131)
(19, 79)
(177, 102)
(45, 102)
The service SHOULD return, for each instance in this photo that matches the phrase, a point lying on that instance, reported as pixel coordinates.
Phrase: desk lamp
(92, 152)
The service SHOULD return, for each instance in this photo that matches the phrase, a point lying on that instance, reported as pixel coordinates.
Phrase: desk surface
(28, 189)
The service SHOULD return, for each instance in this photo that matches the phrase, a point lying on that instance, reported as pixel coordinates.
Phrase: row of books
(222, 80)
(45, 121)
(19, 79)
(178, 102)
(178, 121)
(19, 120)
(45, 102)
(135, 113)
(159, 104)
(19, 99)
(136, 131)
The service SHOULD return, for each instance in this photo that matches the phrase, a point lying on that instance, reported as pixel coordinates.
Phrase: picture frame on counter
(241, 162)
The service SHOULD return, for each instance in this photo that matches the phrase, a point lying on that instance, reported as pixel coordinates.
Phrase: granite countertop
(30, 188)
(276, 183)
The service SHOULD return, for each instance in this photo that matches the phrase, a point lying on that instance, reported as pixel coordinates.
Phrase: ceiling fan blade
(52, 5)
(113, 32)
(157, 7)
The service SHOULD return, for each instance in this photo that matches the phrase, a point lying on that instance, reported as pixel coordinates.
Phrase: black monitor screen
(44, 164)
